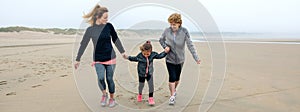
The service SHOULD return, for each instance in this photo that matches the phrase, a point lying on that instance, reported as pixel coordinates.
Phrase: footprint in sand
(22, 80)
(46, 79)
(35, 86)
(11, 93)
(63, 75)
(3, 82)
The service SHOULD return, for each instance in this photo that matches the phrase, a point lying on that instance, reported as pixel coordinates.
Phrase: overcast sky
(230, 15)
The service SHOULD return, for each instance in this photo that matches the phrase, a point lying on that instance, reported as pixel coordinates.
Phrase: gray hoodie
(177, 45)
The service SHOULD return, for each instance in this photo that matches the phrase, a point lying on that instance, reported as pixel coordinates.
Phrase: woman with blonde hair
(102, 34)
(174, 38)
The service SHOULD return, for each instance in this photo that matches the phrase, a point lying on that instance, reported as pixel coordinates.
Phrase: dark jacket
(142, 62)
(102, 36)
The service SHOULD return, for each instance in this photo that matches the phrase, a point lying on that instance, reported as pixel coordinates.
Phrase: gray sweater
(177, 45)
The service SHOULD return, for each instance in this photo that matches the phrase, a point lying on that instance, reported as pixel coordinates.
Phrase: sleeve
(162, 39)
(116, 39)
(83, 44)
(190, 45)
(134, 58)
(160, 55)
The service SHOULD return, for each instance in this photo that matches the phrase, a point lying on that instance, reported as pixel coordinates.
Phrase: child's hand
(167, 49)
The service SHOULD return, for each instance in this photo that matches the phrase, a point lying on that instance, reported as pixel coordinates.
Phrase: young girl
(145, 68)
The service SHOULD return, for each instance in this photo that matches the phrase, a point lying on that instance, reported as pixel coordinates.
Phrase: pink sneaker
(139, 98)
(151, 101)
(104, 100)
(112, 102)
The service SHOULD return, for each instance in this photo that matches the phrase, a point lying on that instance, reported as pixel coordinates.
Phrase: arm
(191, 47)
(134, 58)
(160, 55)
(83, 44)
(162, 39)
(116, 39)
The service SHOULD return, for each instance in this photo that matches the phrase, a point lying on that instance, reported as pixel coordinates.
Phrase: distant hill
(68, 31)
(122, 32)
(72, 31)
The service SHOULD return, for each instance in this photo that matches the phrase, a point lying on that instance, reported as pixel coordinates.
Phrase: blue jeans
(101, 69)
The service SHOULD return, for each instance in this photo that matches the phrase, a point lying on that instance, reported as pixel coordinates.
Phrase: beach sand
(36, 75)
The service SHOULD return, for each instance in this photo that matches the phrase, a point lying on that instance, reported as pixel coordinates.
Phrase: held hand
(76, 65)
(198, 61)
(167, 49)
(124, 56)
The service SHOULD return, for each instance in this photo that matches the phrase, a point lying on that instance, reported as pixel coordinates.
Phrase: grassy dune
(68, 31)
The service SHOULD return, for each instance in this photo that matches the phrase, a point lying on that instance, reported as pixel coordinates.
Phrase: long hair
(96, 13)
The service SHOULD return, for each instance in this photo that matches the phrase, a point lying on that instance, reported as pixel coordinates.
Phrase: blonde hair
(175, 17)
(146, 46)
(96, 13)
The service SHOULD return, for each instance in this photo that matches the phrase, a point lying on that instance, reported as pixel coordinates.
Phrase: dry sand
(36, 75)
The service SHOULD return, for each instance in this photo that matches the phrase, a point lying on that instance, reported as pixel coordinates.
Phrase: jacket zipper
(174, 37)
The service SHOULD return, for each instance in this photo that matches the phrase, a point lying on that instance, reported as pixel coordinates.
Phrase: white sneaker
(175, 94)
(172, 100)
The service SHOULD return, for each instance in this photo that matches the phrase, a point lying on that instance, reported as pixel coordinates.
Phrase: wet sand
(36, 75)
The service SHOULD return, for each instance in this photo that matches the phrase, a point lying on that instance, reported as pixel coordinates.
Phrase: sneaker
(112, 103)
(172, 100)
(139, 98)
(151, 101)
(175, 94)
(104, 100)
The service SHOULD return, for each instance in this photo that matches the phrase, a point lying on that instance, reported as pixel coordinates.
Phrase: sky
(230, 15)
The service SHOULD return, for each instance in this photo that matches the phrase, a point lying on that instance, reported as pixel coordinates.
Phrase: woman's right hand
(76, 65)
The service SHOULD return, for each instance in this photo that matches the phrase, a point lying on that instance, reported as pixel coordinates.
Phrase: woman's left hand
(124, 55)
(198, 61)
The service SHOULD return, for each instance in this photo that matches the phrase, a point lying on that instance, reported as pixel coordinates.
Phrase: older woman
(174, 38)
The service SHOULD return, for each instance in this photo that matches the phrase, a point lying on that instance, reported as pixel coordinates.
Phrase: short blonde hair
(175, 17)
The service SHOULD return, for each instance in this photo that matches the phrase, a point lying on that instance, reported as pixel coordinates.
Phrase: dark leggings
(108, 71)
(150, 84)
(174, 71)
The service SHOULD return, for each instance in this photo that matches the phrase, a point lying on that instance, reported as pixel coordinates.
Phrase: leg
(100, 69)
(109, 79)
(150, 85)
(178, 72)
(172, 88)
(141, 86)
(172, 77)
(110, 69)
(151, 90)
